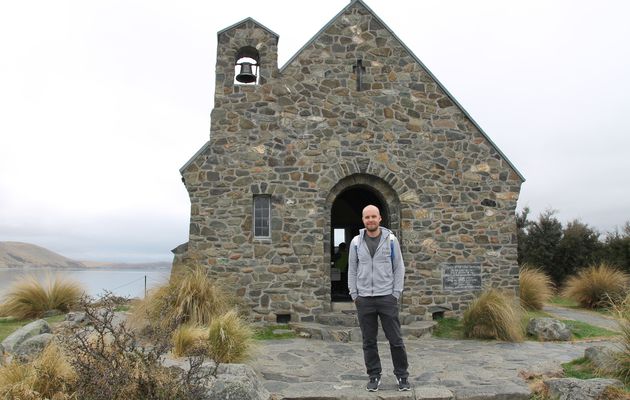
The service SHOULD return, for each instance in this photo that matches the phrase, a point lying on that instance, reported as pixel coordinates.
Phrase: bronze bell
(246, 75)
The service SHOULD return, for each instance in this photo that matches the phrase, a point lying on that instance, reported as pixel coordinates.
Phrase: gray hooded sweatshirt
(379, 275)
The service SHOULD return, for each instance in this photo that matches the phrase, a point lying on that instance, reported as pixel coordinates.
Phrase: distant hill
(18, 254)
(143, 265)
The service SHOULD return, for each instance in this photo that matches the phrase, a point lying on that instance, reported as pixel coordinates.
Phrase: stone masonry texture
(304, 133)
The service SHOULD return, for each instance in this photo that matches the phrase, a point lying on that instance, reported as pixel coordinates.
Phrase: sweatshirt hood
(384, 232)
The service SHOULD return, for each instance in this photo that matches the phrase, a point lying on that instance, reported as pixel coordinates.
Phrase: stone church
(295, 153)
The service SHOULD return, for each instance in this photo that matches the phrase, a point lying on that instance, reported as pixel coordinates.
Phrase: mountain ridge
(28, 255)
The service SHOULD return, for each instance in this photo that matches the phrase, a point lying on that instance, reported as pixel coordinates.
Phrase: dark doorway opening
(345, 224)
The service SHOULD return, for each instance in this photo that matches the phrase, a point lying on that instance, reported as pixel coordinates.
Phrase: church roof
(411, 53)
(440, 85)
(248, 19)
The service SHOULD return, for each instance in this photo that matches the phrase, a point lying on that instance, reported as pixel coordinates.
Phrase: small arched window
(247, 66)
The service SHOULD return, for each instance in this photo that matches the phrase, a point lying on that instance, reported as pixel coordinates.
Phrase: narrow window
(262, 216)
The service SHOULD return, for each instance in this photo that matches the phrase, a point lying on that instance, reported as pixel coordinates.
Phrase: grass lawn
(563, 302)
(582, 368)
(568, 303)
(266, 333)
(449, 328)
(452, 328)
(582, 330)
(9, 325)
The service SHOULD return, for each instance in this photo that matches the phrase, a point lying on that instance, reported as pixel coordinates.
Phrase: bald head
(371, 209)
(372, 220)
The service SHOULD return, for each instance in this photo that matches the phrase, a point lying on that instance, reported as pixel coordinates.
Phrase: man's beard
(373, 229)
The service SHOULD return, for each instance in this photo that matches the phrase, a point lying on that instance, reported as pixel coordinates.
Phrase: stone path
(439, 368)
(590, 317)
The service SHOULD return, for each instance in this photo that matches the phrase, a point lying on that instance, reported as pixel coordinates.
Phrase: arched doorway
(345, 222)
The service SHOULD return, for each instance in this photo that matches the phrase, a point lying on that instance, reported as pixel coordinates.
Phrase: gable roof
(248, 19)
(440, 85)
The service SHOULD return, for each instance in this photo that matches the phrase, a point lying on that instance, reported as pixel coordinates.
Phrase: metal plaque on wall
(461, 276)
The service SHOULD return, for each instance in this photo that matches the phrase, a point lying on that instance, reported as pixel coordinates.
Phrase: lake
(127, 282)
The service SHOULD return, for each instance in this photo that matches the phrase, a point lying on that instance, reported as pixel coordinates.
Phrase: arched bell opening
(247, 66)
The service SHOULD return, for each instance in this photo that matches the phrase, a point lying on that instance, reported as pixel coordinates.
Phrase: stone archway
(344, 205)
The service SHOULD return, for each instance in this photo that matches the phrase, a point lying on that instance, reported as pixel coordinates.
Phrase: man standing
(375, 279)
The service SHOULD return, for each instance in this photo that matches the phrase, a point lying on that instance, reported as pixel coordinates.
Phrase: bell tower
(247, 54)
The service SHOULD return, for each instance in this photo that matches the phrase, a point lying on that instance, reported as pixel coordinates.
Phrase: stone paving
(439, 368)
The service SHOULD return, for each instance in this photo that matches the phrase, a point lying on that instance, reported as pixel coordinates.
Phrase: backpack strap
(391, 247)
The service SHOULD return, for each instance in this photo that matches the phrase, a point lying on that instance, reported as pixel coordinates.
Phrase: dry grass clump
(493, 316)
(49, 376)
(230, 339)
(189, 340)
(620, 359)
(535, 286)
(190, 297)
(29, 298)
(597, 286)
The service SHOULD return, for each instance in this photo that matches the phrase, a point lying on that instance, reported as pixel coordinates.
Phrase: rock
(507, 391)
(548, 329)
(236, 381)
(599, 356)
(28, 331)
(33, 346)
(579, 389)
(433, 393)
(232, 381)
(78, 317)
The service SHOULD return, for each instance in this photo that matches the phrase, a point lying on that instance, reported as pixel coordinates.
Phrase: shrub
(48, 376)
(230, 339)
(190, 297)
(492, 315)
(597, 286)
(536, 288)
(189, 340)
(111, 363)
(28, 298)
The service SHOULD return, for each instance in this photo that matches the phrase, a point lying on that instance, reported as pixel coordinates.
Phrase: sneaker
(403, 385)
(373, 384)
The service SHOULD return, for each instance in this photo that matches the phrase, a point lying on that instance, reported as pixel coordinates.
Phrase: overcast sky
(102, 102)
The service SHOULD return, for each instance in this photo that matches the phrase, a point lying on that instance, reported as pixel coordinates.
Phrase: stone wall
(305, 133)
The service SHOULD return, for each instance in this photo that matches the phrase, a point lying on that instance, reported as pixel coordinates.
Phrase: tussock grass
(536, 288)
(49, 376)
(190, 297)
(493, 315)
(230, 339)
(597, 286)
(29, 298)
(189, 340)
(620, 359)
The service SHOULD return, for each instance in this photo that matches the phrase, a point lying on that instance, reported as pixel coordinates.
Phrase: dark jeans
(369, 310)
